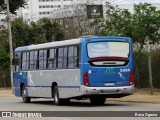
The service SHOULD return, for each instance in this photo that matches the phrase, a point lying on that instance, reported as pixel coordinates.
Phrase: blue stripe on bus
(38, 86)
(58, 86)
(69, 86)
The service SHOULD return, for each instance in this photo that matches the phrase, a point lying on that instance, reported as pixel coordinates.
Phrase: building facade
(37, 9)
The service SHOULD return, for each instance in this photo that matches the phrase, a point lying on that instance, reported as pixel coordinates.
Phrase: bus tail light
(86, 79)
(131, 80)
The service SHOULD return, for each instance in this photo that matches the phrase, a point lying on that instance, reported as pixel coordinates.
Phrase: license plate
(109, 84)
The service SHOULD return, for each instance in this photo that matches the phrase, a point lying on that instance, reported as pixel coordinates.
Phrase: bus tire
(58, 101)
(97, 100)
(24, 95)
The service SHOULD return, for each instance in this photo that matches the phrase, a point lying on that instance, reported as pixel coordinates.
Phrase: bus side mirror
(15, 61)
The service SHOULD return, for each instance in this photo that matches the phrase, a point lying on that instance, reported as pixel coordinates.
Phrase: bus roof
(48, 45)
(65, 42)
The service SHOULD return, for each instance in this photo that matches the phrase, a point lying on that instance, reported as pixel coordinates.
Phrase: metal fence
(142, 71)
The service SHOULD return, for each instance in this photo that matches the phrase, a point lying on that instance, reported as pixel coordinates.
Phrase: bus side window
(24, 60)
(42, 59)
(52, 59)
(60, 57)
(27, 61)
(70, 57)
(65, 57)
(73, 57)
(16, 61)
(76, 56)
(45, 59)
(33, 59)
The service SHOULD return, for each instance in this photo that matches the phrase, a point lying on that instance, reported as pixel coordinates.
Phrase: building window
(68, 6)
(44, 13)
(49, 6)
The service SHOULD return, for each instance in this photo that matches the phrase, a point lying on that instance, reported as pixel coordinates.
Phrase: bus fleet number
(125, 70)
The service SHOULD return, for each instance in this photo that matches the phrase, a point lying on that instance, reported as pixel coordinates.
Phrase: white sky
(132, 1)
(128, 4)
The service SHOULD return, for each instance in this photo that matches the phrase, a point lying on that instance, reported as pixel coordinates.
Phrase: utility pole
(150, 74)
(150, 70)
(10, 42)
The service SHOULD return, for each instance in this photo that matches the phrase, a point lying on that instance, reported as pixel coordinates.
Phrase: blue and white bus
(89, 67)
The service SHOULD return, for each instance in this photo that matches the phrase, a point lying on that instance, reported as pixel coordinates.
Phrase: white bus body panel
(40, 82)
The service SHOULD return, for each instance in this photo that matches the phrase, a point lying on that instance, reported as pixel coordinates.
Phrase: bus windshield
(108, 49)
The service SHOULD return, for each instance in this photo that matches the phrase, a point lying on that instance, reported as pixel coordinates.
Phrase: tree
(13, 4)
(79, 24)
(35, 34)
(74, 20)
(20, 33)
(50, 30)
(146, 30)
(4, 59)
(146, 24)
(143, 25)
(116, 23)
(44, 30)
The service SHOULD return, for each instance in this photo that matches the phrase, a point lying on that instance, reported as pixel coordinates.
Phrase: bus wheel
(97, 100)
(24, 95)
(57, 100)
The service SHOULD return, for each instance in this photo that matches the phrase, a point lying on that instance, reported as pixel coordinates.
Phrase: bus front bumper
(128, 90)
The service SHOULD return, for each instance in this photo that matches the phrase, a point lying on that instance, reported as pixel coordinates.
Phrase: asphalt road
(16, 104)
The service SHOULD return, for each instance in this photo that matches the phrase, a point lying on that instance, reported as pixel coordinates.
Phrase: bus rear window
(108, 49)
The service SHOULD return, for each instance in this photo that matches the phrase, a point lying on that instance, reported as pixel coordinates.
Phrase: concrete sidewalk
(6, 92)
(140, 96)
